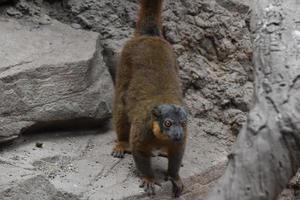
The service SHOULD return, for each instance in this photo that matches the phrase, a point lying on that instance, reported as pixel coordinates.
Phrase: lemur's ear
(156, 111)
(184, 111)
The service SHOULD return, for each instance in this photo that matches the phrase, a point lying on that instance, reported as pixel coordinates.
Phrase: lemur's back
(149, 73)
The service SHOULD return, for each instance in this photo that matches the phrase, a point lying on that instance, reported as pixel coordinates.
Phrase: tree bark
(266, 154)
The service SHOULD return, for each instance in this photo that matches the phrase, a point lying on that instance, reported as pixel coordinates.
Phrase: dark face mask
(172, 120)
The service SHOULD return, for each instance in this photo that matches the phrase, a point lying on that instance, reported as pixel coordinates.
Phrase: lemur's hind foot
(120, 149)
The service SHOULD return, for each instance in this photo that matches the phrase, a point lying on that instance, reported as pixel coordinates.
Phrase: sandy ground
(79, 163)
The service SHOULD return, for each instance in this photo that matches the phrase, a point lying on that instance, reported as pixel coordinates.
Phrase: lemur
(148, 110)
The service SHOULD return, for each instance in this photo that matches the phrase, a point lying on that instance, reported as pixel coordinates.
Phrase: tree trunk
(266, 154)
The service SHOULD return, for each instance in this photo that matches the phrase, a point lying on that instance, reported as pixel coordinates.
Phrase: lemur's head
(169, 122)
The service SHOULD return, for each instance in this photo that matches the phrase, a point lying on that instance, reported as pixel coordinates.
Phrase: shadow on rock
(59, 129)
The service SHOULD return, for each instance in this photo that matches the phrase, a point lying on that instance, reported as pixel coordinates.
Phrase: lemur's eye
(167, 123)
(183, 124)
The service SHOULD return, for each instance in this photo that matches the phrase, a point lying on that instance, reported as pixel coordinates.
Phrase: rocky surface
(38, 186)
(213, 48)
(212, 43)
(79, 165)
(292, 192)
(50, 73)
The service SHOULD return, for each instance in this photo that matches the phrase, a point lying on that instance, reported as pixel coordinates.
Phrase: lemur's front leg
(175, 159)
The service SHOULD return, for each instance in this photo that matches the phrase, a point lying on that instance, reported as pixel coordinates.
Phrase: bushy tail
(149, 20)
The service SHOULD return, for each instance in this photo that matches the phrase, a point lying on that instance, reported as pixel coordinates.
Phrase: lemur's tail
(149, 20)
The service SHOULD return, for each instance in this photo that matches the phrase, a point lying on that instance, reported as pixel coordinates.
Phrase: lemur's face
(170, 122)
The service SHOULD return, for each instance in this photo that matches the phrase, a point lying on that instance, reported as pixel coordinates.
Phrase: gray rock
(241, 6)
(48, 74)
(35, 188)
(76, 26)
(235, 118)
(45, 20)
(14, 12)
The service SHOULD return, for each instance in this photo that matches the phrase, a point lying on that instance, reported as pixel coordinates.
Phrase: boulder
(50, 73)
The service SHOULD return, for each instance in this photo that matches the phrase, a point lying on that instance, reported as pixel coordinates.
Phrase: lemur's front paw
(149, 185)
(177, 186)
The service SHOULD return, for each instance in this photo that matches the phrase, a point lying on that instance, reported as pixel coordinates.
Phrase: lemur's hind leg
(122, 127)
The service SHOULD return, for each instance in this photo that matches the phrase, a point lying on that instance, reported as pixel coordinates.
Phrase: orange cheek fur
(156, 131)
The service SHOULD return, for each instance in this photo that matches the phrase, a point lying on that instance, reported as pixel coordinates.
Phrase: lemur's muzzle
(176, 133)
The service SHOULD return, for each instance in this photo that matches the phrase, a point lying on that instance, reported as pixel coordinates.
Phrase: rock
(14, 12)
(198, 105)
(35, 188)
(76, 26)
(235, 118)
(45, 20)
(241, 6)
(292, 192)
(77, 6)
(28, 7)
(51, 73)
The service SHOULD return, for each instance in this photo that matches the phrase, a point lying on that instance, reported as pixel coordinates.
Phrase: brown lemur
(148, 111)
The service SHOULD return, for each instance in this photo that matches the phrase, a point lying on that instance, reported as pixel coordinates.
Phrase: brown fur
(149, 15)
(157, 133)
(147, 76)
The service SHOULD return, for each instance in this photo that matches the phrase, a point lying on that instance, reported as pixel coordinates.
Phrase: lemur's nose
(178, 134)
